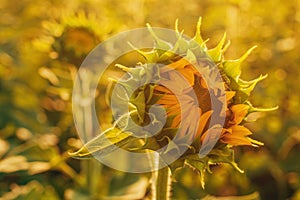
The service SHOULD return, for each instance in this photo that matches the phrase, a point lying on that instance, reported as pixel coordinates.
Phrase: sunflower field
(255, 46)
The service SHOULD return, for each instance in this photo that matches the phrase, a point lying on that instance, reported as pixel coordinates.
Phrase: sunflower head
(182, 99)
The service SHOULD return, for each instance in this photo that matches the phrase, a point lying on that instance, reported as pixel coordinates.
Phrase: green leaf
(105, 142)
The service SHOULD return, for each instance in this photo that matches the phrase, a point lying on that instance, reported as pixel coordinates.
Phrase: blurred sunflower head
(73, 36)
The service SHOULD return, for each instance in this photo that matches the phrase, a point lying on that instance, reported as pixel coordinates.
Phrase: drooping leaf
(105, 142)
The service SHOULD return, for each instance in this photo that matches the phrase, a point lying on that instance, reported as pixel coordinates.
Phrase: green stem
(91, 168)
(93, 174)
(162, 183)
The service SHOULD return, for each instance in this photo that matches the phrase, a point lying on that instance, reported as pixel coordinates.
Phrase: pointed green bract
(217, 52)
(160, 44)
(255, 109)
(150, 56)
(233, 67)
(198, 37)
(216, 156)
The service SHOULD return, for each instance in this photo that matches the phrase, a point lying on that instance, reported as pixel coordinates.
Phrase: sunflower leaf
(106, 142)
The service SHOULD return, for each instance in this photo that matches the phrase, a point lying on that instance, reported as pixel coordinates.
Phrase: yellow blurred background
(42, 44)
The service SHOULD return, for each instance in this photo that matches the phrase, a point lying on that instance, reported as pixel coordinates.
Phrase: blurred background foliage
(42, 44)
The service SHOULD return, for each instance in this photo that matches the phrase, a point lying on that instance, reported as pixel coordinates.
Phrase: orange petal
(176, 121)
(239, 112)
(203, 121)
(240, 130)
(171, 97)
(174, 110)
(237, 135)
(179, 64)
(188, 73)
(229, 95)
(235, 140)
(163, 89)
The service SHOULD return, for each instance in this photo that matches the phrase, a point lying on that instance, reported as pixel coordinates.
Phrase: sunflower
(186, 95)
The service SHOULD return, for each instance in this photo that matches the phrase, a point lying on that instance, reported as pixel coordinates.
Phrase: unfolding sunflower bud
(183, 101)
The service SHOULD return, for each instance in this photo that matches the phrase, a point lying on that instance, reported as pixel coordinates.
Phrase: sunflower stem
(162, 183)
(91, 168)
